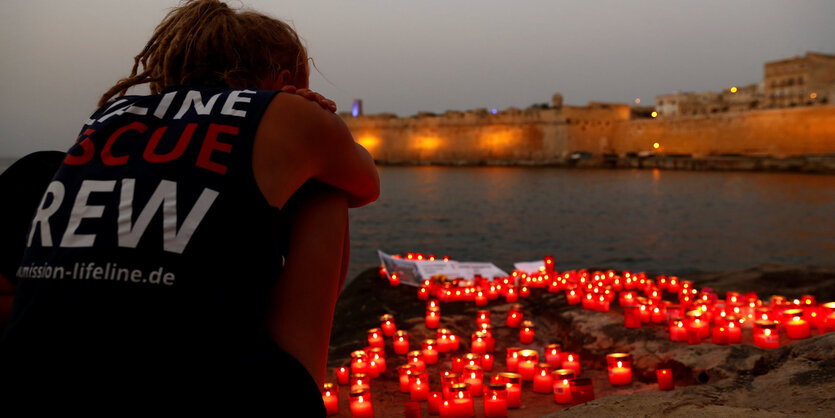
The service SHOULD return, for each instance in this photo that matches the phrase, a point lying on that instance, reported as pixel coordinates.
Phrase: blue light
(494, 111)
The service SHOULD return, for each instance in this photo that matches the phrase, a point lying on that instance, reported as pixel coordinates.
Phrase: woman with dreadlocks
(192, 244)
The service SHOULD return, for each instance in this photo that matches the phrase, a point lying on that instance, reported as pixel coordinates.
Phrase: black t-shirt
(150, 257)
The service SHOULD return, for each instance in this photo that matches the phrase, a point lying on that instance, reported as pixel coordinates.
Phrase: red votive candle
(487, 329)
(619, 366)
(511, 295)
(419, 387)
(765, 334)
(372, 371)
(571, 361)
(377, 355)
(582, 390)
(678, 332)
(631, 316)
(589, 301)
(444, 344)
(429, 351)
(387, 324)
(658, 315)
(512, 360)
(479, 345)
(360, 404)
(720, 335)
(359, 362)
(734, 330)
(527, 362)
(796, 327)
(457, 365)
(542, 380)
(401, 342)
(524, 292)
(474, 376)
(454, 342)
(482, 317)
(514, 316)
(526, 334)
(360, 381)
(480, 298)
(342, 375)
(415, 358)
(423, 293)
(513, 383)
(330, 396)
(404, 372)
(449, 378)
(433, 318)
(495, 401)
(561, 384)
(665, 379)
(487, 362)
(394, 279)
(472, 359)
(461, 404)
(553, 355)
(375, 338)
(574, 296)
(434, 402)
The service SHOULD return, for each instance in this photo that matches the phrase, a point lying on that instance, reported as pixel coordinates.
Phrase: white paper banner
(413, 273)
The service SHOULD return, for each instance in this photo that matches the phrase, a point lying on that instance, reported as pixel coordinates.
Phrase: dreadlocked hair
(204, 42)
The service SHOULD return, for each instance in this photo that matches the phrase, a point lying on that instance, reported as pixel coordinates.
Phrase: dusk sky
(404, 57)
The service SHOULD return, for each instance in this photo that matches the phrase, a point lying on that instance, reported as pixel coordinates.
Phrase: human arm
(297, 141)
(304, 297)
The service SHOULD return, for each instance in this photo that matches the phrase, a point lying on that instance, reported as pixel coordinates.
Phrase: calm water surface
(656, 221)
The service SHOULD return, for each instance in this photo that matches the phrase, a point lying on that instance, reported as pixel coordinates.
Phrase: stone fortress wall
(555, 135)
(748, 122)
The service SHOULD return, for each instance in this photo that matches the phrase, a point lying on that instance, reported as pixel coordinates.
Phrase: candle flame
(359, 398)
(620, 364)
(767, 332)
(796, 318)
(460, 395)
(731, 325)
(570, 357)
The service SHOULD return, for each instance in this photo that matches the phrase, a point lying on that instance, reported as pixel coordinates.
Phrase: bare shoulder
(297, 141)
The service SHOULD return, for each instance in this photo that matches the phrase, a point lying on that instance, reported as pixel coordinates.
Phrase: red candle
(444, 344)
(375, 338)
(589, 301)
(495, 401)
(734, 331)
(511, 295)
(582, 390)
(387, 324)
(513, 383)
(330, 396)
(448, 379)
(433, 317)
(423, 293)
(415, 358)
(542, 380)
(480, 298)
(360, 381)
(359, 362)
(665, 379)
(429, 351)
(342, 375)
(796, 327)
(658, 315)
(620, 368)
(765, 334)
(678, 332)
(514, 316)
(720, 335)
(418, 387)
(360, 404)
(572, 362)
(512, 360)
(457, 365)
(377, 355)
(394, 279)
(526, 334)
(527, 362)
(453, 342)
(474, 377)
(404, 372)
(524, 292)
(487, 362)
(401, 342)
(372, 370)
(434, 404)
(562, 385)
(482, 317)
(553, 355)
(479, 346)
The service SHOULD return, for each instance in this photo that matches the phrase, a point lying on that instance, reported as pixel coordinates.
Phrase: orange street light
(734, 89)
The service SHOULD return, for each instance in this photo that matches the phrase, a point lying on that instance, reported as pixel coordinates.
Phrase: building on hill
(798, 81)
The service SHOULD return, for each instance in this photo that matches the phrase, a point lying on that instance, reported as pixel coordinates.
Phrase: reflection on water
(656, 221)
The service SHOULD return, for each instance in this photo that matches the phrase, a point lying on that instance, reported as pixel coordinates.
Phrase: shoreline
(804, 164)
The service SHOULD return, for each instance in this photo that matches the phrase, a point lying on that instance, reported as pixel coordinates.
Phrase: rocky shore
(798, 378)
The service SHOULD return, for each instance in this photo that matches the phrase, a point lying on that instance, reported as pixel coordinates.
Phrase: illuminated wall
(543, 136)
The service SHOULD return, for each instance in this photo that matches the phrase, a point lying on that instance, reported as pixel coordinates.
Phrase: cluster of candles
(696, 316)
